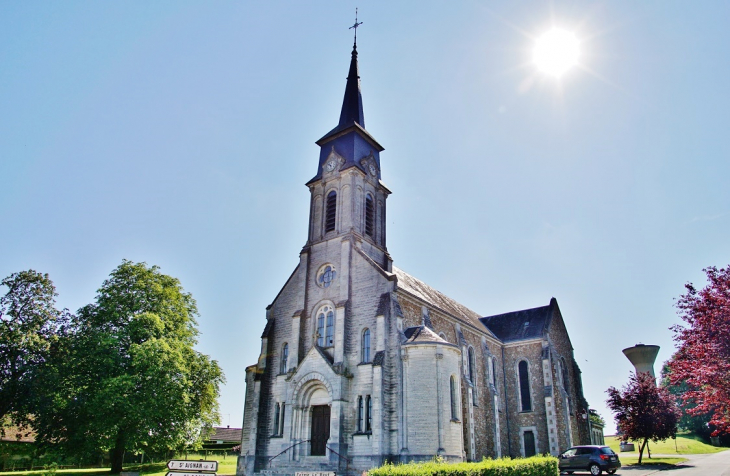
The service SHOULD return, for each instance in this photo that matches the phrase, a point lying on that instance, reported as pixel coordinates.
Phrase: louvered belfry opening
(329, 221)
(369, 215)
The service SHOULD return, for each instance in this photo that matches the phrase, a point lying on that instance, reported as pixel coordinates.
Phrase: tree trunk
(641, 448)
(118, 454)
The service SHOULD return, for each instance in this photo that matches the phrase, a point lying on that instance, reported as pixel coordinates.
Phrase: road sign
(191, 465)
(190, 474)
(315, 473)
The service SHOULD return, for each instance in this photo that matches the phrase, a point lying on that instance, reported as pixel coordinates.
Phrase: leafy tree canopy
(29, 325)
(128, 378)
(702, 361)
(594, 417)
(697, 423)
(643, 411)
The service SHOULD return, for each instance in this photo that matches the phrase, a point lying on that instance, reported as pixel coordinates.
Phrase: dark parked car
(593, 459)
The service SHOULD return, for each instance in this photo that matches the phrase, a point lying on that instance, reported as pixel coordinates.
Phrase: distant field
(226, 467)
(684, 446)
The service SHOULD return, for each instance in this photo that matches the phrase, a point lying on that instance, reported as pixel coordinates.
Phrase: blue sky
(182, 133)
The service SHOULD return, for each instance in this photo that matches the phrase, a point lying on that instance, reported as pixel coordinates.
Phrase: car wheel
(594, 469)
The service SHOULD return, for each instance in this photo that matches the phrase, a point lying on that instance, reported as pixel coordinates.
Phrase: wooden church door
(320, 429)
(529, 443)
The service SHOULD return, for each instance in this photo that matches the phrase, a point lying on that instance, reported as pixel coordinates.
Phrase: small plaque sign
(190, 465)
(315, 473)
(190, 474)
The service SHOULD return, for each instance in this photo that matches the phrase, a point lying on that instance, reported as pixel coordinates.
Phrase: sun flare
(556, 52)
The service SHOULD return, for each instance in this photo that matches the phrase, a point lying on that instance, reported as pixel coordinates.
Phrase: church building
(362, 363)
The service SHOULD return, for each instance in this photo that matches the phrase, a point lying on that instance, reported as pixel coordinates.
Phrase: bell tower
(347, 194)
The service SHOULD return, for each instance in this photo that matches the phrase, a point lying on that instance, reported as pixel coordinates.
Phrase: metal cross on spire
(354, 27)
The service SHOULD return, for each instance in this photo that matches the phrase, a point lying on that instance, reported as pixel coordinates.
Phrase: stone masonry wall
(531, 351)
(478, 410)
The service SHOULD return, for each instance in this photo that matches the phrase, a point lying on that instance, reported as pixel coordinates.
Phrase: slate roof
(351, 112)
(379, 358)
(226, 434)
(421, 334)
(435, 298)
(324, 355)
(269, 327)
(520, 325)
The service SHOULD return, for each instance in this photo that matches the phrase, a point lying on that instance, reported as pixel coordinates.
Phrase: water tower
(643, 357)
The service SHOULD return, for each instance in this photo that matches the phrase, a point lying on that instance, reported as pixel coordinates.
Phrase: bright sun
(556, 52)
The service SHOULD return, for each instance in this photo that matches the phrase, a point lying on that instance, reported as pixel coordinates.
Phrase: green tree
(128, 377)
(699, 424)
(29, 326)
(643, 411)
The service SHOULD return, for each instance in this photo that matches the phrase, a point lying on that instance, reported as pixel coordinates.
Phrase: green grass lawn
(226, 467)
(634, 461)
(685, 445)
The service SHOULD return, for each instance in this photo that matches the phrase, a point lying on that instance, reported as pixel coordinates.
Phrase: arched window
(284, 358)
(329, 335)
(525, 400)
(443, 336)
(472, 366)
(329, 220)
(454, 402)
(494, 371)
(276, 419)
(365, 346)
(281, 422)
(325, 326)
(320, 329)
(368, 413)
(359, 414)
(564, 372)
(369, 216)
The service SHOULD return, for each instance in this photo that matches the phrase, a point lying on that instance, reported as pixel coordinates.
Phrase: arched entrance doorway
(315, 410)
(320, 431)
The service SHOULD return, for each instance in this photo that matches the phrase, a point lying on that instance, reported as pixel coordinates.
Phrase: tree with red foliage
(702, 361)
(643, 411)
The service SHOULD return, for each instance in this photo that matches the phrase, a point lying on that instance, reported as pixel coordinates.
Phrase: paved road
(716, 464)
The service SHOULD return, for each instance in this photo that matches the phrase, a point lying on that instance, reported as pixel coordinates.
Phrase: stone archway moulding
(306, 381)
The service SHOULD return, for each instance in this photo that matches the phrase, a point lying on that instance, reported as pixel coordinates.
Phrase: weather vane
(354, 27)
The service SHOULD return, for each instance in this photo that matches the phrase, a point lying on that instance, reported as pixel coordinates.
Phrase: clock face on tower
(373, 170)
(330, 165)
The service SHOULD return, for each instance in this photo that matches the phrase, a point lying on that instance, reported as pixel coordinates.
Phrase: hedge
(533, 466)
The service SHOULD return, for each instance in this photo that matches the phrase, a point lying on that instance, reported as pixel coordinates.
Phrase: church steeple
(352, 103)
(349, 140)
(348, 196)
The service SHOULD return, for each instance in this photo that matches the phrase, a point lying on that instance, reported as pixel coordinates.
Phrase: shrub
(534, 466)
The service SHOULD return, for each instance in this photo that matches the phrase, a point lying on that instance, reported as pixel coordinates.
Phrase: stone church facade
(362, 363)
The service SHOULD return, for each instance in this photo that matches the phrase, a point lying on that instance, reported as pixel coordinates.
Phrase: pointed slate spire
(349, 140)
(352, 102)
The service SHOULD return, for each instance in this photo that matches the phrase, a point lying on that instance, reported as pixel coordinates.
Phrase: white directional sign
(189, 465)
(190, 474)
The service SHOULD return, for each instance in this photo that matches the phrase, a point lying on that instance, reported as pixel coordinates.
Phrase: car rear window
(607, 451)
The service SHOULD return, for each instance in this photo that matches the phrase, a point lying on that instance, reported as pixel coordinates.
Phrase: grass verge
(225, 467)
(684, 445)
(634, 461)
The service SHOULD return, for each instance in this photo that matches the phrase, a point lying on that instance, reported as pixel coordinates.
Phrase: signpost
(315, 473)
(179, 467)
(188, 474)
